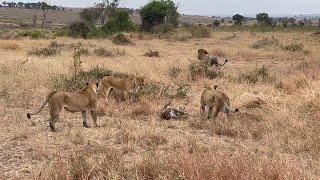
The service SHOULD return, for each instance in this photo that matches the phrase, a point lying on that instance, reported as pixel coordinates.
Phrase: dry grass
(276, 137)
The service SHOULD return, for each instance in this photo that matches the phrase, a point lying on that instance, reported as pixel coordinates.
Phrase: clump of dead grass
(295, 47)
(199, 32)
(292, 83)
(44, 52)
(121, 39)
(9, 46)
(102, 52)
(203, 69)
(257, 75)
(265, 43)
(213, 165)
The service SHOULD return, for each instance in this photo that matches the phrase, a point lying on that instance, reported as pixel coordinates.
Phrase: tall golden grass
(277, 140)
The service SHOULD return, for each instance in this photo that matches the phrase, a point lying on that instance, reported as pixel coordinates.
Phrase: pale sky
(220, 7)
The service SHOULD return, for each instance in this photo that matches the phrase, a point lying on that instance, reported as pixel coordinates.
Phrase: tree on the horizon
(90, 16)
(263, 19)
(156, 13)
(45, 9)
(238, 19)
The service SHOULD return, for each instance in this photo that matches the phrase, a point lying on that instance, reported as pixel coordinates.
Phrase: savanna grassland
(273, 78)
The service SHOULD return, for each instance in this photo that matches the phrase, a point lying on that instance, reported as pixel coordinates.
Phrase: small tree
(34, 20)
(263, 18)
(223, 21)
(292, 20)
(285, 22)
(119, 21)
(45, 8)
(90, 16)
(79, 29)
(158, 12)
(238, 19)
(216, 23)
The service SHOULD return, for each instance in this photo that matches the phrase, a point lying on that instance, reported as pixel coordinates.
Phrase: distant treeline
(23, 5)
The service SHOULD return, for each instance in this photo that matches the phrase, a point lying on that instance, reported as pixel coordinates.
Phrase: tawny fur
(83, 101)
(128, 85)
(217, 101)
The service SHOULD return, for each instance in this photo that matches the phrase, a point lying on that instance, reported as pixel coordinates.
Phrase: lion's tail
(43, 105)
(226, 105)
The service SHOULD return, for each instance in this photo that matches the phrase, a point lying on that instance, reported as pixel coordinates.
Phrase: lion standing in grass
(216, 100)
(83, 101)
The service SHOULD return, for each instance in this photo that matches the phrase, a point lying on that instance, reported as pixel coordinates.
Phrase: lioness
(215, 99)
(203, 55)
(127, 85)
(83, 101)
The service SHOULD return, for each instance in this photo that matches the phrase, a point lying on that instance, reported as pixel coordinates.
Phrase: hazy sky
(221, 7)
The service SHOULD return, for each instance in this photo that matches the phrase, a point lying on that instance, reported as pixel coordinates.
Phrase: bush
(109, 53)
(44, 52)
(258, 75)
(295, 47)
(292, 83)
(55, 44)
(119, 21)
(174, 72)
(199, 32)
(35, 34)
(90, 16)
(79, 29)
(158, 12)
(75, 83)
(162, 28)
(121, 39)
(202, 69)
(152, 53)
(216, 23)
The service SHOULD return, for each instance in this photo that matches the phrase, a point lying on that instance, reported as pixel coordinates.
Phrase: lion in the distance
(216, 100)
(129, 85)
(203, 55)
(83, 101)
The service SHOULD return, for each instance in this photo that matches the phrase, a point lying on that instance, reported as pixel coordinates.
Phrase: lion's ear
(87, 83)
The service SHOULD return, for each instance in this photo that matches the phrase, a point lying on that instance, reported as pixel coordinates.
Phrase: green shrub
(119, 21)
(35, 34)
(200, 32)
(79, 29)
(121, 39)
(61, 32)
